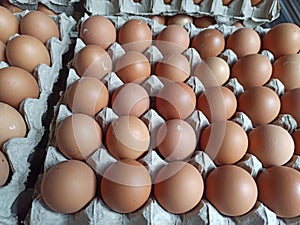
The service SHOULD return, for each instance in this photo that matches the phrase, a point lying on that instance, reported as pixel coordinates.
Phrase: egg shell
(180, 19)
(4, 168)
(9, 24)
(2, 51)
(204, 21)
(289, 100)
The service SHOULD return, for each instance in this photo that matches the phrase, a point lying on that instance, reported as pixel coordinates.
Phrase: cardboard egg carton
(96, 212)
(19, 150)
(237, 10)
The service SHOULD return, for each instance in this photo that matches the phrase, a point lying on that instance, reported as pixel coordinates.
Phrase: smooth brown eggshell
(159, 19)
(11, 122)
(133, 66)
(271, 144)
(252, 70)
(78, 136)
(43, 8)
(176, 140)
(290, 101)
(127, 138)
(98, 26)
(27, 52)
(11, 7)
(231, 189)
(282, 39)
(204, 21)
(178, 187)
(39, 25)
(208, 43)
(261, 104)
(172, 39)
(92, 61)
(233, 146)
(125, 186)
(9, 24)
(175, 100)
(130, 99)
(296, 138)
(88, 95)
(205, 105)
(180, 19)
(173, 67)
(68, 186)
(17, 84)
(4, 169)
(135, 35)
(2, 51)
(287, 70)
(279, 190)
(244, 41)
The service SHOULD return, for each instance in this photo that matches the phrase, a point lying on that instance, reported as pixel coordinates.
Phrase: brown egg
(180, 19)
(11, 122)
(125, 186)
(226, 2)
(176, 140)
(9, 24)
(287, 70)
(282, 39)
(244, 41)
(68, 186)
(127, 138)
(167, 1)
(212, 69)
(92, 61)
(234, 142)
(278, 189)
(197, 1)
(4, 168)
(11, 7)
(2, 51)
(271, 144)
(130, 99)
(296, 138)
(39, 25)
(98, 30)
(88, 95)
(290, 101)
(175, 100)
(211, 110)
(231, 189)
(173, 67)
(261, 104)
(208, 43)
(255, 2)
(252, 70)
(204, 21)
(178, 187)
(133, 66)
(16, 84)
(43, 8)
(159, 19)
(27, 52)
(135, 35)
(172, 39)
(78, 136)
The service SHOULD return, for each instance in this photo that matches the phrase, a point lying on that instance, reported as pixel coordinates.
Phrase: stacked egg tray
(19, 150)
(97, 212)
(236, 10)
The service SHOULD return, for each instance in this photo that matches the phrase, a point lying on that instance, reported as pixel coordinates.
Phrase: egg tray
(19, 150)
(58, 6)
(237, 10)
(96, 212)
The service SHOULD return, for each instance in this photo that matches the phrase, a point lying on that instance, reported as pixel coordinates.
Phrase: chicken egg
(92, 61)
(68, 186)
(23, 84)
(21, 47)
(127, 138)
(11, 7)
(296, 138)
(125, 186)
(12, 123)
(98, 30)
(78, 136)
(2, 51)
(4, 169)
(180, 19)
(135, 35)
(204, 21)
(9, 24)
(290, 101)
(43, 8)
(178, 187)
(159, 19)
(231, 189)
(278, 188)
(271, 144)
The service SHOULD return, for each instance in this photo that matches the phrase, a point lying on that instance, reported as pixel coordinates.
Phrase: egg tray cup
(96, 212)
(237, 10)
(20, 150)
